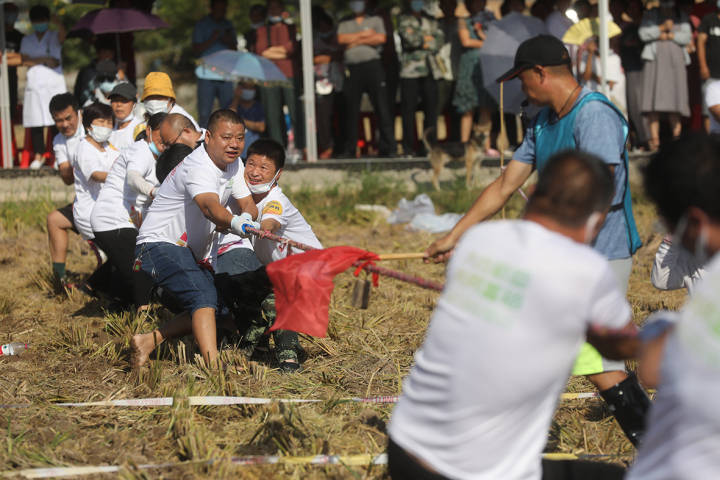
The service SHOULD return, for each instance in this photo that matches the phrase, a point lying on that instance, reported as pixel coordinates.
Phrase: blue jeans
(236, 261)
(173, 268)
(207, 91)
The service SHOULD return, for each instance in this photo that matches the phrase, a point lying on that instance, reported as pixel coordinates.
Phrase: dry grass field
(79, 352)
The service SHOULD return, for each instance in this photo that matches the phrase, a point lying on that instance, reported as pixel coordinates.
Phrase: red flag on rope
(303, 284)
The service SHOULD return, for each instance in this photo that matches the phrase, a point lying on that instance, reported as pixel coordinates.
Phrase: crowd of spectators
(424, 56)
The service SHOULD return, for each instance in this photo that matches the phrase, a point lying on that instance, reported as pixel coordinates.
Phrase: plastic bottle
(14, 348)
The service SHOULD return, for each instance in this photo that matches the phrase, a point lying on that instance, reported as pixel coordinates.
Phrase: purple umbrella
(118, 20)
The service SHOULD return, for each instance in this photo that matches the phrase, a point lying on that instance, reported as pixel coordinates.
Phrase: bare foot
(141, 346)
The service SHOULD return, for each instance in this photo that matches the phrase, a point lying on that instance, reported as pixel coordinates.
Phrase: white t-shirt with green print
(500, 346)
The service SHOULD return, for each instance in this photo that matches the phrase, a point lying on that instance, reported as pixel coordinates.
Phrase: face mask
(107, 86)
(153, 148)
(100, 134)
(40, 27)
(157, 106)
(274, 19)
(261, 188)
(590, 226)
(126, 119)
(257, 25)
(11, 18)
(357, 6)
(700, 251)
(247, 94)
(417, 5)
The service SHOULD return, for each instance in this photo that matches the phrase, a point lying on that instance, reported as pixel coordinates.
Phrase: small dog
(441, 153)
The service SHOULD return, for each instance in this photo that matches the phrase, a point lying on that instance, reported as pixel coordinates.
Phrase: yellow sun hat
(158, 83)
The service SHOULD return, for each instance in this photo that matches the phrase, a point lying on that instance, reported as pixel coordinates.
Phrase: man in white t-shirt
(681, 355)
(179, 229)
(123, 99)
(64, 110)
(712, 100)
(519, 300)
(263, 168)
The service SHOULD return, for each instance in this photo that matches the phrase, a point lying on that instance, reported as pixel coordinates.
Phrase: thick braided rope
(404, 277)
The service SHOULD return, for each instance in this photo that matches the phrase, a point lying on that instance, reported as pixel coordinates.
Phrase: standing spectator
(257, 15)
(327, 55)
(632, 63)
(362, 36)
(469, 90)
(712, 101)
(276, 42)
(251, 111)
(421, 39)
(85, 79)
(708, 52)
(388, 54)
(557, 22)
(450, 53)
(42, 54)
(123, 99)
(13, 39)
(213, 33)
(666, 31)
(590, 72)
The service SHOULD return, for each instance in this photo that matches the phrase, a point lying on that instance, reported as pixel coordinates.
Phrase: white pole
(604, 15)
(5, 132)
(308, 79)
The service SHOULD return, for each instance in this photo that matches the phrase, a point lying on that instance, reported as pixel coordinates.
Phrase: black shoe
(629, 404)
(289, 367)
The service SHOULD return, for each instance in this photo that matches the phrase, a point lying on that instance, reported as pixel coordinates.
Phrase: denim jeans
(173, 268)
(236, 261)
(207, 91)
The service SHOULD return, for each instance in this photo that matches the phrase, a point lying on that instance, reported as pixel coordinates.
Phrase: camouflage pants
(286, 342)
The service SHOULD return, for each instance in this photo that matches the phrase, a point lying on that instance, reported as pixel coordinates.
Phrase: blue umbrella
(244, 66)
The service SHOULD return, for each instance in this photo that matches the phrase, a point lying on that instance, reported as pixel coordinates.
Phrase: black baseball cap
(544, 50)
(125, 90)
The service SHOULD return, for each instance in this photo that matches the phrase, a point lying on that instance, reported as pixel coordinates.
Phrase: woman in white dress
(42, 52)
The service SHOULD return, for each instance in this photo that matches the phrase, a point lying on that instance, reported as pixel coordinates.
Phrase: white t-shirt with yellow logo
(292, 225)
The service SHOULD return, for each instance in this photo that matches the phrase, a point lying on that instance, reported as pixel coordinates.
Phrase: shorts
(67, 212)
(174, 269)
(589, 361)
(237, 261)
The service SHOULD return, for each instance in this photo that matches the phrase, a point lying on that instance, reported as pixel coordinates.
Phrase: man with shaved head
(520, 298)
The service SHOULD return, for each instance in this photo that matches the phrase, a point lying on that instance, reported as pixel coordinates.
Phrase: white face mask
(100, 134)
(120, 121)
(590, 227)
(260, 188)
(157, 106)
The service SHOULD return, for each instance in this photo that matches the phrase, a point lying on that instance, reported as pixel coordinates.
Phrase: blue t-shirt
(597, 130)
(202, 32)
(254, 113)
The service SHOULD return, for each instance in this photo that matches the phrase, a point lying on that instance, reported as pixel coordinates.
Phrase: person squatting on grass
(118, 212)
(178, 231)
(65, 113)
(528, 292)
(681, 349)
(572, 117)
(263, 168)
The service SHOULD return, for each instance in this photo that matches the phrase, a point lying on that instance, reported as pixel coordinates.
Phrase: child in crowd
(246, 105)
(590, 71)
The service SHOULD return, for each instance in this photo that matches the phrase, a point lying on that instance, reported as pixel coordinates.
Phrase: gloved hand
(239, 222)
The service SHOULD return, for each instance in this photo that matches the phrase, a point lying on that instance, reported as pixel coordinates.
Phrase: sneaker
(37, 163)
(289, 367)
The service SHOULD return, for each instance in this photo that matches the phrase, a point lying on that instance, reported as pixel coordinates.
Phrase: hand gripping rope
(386, 272)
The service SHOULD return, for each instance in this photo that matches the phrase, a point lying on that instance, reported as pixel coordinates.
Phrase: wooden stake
(361, 293)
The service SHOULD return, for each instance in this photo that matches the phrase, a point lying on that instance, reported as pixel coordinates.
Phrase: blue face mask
(417, 5)
(247, 93)
(153, 148)
(357, 6)
(40, 27)
(275, 19)
(106, 87)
